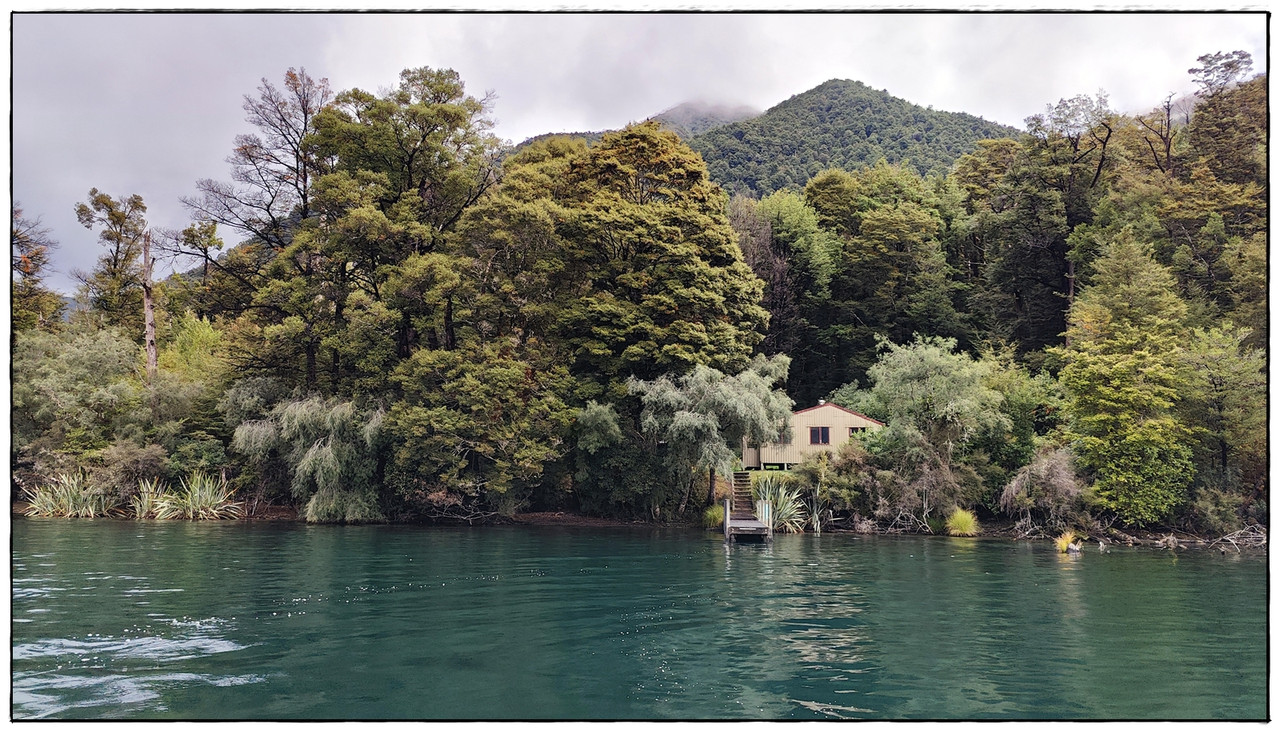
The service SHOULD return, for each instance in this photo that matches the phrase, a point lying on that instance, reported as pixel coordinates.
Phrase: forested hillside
(388, 317)
(839, 124)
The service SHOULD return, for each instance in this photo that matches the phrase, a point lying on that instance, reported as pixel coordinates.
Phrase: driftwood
(1252, 535)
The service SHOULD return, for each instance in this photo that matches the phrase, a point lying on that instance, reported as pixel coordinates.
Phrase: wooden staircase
(740, 515)
(743, 506)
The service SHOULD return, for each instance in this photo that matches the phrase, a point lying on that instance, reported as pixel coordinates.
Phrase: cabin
(817, 429)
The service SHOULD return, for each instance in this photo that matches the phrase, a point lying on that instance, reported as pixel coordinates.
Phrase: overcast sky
(149, 103)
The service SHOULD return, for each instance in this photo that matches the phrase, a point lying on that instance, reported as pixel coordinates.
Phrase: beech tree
(661, 282)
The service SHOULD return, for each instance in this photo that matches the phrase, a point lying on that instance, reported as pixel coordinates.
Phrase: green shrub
(71, 496)
(121, 467)
(713, 517)
(936, 524)
(962, 523)
(1217, 511)
(201, 496)
(779, 490)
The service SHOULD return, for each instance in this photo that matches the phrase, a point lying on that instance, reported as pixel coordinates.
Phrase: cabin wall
(839, 422)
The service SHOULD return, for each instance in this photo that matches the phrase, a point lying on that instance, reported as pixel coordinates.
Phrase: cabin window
(855, 430)
(819, 435)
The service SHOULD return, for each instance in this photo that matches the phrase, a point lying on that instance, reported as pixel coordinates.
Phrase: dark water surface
(148, 620)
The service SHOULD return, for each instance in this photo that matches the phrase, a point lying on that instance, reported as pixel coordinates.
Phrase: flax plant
(71, 496)
(788, 508)
(200, 497)
(146, 501)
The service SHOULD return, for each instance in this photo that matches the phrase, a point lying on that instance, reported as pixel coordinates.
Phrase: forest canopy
(385, 314)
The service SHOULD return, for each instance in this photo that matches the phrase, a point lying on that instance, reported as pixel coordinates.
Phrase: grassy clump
(713, 517)
(1064, 541)
(962, 523)
(201, 496)
(71, 496)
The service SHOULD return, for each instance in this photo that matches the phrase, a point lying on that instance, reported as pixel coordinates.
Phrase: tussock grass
(1064, 541)
(962, 523)
(713, 517)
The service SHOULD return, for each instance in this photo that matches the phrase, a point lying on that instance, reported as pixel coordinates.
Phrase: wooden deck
(739, 513)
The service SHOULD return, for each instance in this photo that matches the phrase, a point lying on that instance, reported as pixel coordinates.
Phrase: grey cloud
(148, 104)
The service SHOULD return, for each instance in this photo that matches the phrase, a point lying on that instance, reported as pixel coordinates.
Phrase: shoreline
(1165, 540)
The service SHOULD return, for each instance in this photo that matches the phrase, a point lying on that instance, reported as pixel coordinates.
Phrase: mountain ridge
(840, 123)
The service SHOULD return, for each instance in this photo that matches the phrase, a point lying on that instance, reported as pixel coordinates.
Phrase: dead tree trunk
(149, 315)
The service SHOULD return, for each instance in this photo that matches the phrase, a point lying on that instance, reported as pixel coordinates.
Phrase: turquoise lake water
(171, 620)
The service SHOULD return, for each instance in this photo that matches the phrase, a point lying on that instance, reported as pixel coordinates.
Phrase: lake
(195, 621)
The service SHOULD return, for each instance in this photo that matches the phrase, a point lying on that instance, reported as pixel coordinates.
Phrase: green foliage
(713, 517)
(705, 414)
(416, 331)
(962, 523)
(34, 304)
(199, 497)
(73, 389)
(1122, 379)
(787, 509)
(937, 404)
(839, 124)
(1223, 396)
(146, 501)
(698, 421)
(930, 387)
(332, 451)
(833, 481)
(1217, 511)
(664, 284)
(113, 288)
(475, 428)
(71, 496)
(889, 279)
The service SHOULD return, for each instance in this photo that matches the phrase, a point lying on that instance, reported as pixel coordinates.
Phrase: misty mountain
(694, 118)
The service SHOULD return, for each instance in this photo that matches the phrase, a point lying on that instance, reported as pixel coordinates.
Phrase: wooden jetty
(740, 515)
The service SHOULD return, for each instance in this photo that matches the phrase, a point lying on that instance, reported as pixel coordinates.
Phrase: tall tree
(114, 287)
(1217, 71)
(34, 304)
(272, 169)
(661, 282)
(888, 278)
(1122, 374)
